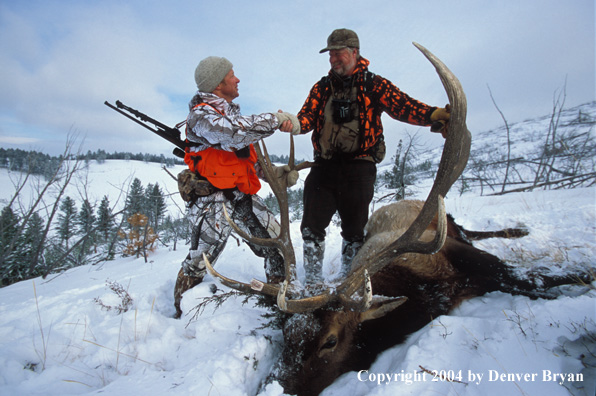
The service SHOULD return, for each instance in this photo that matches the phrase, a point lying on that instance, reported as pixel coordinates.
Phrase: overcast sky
(60, 60)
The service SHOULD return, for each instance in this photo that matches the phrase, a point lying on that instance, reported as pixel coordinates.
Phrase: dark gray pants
(345, 187)
(342, 186)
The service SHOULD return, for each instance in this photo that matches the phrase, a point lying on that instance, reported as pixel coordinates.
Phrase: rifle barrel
(172, 135)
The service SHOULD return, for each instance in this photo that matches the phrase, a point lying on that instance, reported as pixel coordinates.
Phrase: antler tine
(306, 304)
(267, 242)
(278, 291)
(291, 160)
(304, 165)
(453, 161)
(279, 189)
(254, 286)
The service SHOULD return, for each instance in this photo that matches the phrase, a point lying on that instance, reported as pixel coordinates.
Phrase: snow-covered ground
(57, 338)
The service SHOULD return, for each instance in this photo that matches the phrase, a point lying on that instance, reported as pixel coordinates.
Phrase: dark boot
(348, 252)
(183, 283)
(314, 252)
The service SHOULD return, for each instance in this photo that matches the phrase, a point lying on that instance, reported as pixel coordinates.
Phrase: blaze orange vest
(224, 169)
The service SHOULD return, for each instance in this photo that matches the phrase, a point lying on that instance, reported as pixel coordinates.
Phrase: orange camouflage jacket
(224, 169)
(374, 98)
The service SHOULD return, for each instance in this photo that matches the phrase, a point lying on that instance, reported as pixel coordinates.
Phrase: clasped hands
(288, 122)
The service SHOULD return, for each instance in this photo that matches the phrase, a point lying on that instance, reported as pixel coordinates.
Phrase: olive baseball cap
(341, 38)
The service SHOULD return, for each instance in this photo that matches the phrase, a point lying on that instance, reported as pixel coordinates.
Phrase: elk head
(323, 334)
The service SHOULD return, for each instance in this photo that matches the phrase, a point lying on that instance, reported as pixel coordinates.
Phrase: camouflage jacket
(373, 97)
(221, 126)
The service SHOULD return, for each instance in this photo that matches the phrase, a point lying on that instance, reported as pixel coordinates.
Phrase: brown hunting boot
(183, 283)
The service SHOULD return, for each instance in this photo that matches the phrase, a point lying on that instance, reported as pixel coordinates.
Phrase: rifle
(172, 135)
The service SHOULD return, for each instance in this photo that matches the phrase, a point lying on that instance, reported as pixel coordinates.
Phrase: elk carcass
(322, 344)
(415, 265)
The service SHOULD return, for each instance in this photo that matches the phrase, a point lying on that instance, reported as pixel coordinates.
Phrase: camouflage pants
(210, 231)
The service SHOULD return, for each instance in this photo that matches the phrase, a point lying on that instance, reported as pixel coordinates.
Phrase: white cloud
(18, 140)
(61, 60)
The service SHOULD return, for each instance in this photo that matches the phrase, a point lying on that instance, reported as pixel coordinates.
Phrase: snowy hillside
(111, 178)
(58, 337)
(527, 136)
(516, 153)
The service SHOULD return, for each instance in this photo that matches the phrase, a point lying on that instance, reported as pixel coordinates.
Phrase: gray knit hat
(210, 72)
(341, 38)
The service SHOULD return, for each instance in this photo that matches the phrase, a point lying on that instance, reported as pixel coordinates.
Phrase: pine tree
(86, 219)
(11, 247)
(9, 230)
(101, 156)
(20, 250)
(105, 221)
(33, 241)
(147, 203)
(396, 177)
(86, 222)
(66, 220)
(155, 205)
(402, 171)
(135, 201)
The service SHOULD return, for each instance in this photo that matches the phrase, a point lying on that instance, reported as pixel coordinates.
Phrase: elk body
(321, 345)
(415, 265)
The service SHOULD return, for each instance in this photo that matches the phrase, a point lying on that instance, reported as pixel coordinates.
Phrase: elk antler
(283, 241)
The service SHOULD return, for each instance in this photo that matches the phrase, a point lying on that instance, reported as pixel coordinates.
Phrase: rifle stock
(170, 134)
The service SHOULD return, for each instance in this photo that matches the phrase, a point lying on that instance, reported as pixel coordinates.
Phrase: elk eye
(331, 343)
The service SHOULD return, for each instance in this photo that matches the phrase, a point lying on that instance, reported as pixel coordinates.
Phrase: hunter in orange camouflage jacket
(375, 96)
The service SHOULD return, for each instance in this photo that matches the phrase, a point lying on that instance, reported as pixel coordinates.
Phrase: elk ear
(381, 308)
